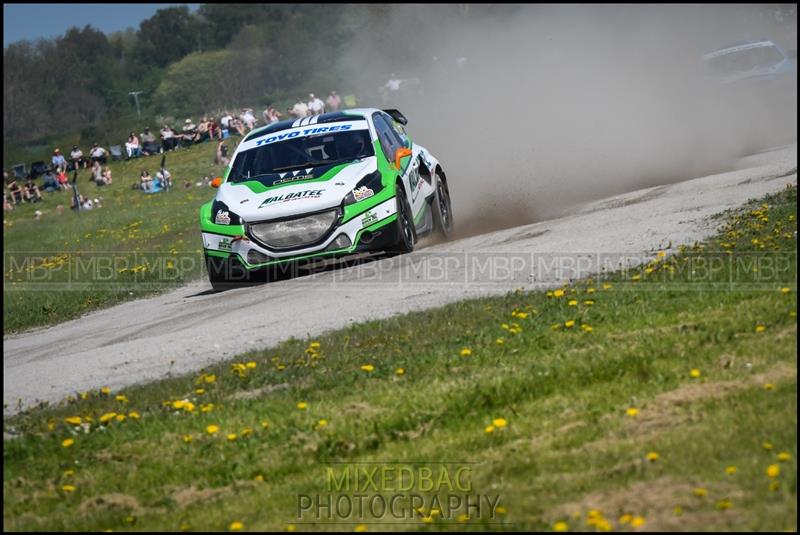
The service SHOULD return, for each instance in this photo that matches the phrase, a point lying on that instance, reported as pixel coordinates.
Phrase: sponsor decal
(224, 244)
(222, 218)
(362, 193)
(304, 132)
(286, 197)
(369, 217)
(283, 180)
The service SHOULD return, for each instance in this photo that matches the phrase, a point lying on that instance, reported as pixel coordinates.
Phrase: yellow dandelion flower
(67, 442)
(724, 504)
(264, 424)
(74, 420)
(558, 293)
(588, 302)
(773, 470)
(587, 328)
(120, 417)
(206, 407)
(767, 445)
(178, 404)
(122, 398)
(200, 391)
(236, 526)
(637, 521)
(259, 478)
(322, 423)
(636, 278)
(246, 432)
(107, 417)
(302, 405)
(695, 373)
(291, 527)
(572, 302)
(232, 436)
(569, 324)
(400, 371)
(361, 528)
(769, 386)
(69, 473)
(625, 519)
(730, 470)
(500, 510)
(187, 438)
(784, 456)
(590, 290)
(466, 352)
(633, 411)
(489, 429)
(652, 456)
(785, 290)
(133, 415)
(251, 365)
(367, 368)
(212, 429)
(210, 378)
(105, 391)
(500, 341)
(314, 345)
(607, 286)
(499, 422)
(760, 328)
(68, 488)
(700, 492)
(677, 510)
(560, 527)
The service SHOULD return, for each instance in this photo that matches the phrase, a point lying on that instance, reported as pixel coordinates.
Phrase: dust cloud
(533, 109)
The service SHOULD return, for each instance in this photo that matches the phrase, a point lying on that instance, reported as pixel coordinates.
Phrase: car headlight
(294, 232)
(367, 187)
(222, 215)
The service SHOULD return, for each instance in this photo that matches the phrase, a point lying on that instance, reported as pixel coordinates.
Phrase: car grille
(294, 233)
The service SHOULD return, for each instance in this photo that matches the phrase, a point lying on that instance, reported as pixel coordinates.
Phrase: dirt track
(193, 327)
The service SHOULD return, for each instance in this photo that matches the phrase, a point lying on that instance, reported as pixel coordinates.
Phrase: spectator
(299, 110)
(164, 178)
(271, 115)
(7, 206)
(32, 191)
(97, 174)
(133, 146)
(146, 181)
(168, 138)
(149, 145)
(63, 180)
(225, 120)
(214, 129)
(85, 204)
(50, 182)
(98, 154)
(315, 105)
(78, 161)
(107, 175)
(203, 131)
(238, 125)
(189, 131)
(333, 101)
(59, 162)
(222, 155)
(16, 193)
(248, 118)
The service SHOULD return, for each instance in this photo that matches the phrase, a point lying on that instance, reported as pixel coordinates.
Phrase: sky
(34, 21)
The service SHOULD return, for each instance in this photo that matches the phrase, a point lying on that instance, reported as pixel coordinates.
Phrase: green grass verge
(130, 230)
(538, 409)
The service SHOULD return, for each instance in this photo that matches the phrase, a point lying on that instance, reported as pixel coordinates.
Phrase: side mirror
(399, 154)
(217, 182)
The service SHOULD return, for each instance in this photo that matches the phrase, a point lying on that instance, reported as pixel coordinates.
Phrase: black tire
(225, 274)
(406, 236)
(442, 209)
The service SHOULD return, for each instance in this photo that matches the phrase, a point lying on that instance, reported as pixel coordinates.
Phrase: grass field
(129, 230)
(664, 398)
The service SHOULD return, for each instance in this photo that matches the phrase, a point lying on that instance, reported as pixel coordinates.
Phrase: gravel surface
(191, 327)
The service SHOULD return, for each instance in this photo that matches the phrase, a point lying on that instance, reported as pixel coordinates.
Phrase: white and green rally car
(330, 185)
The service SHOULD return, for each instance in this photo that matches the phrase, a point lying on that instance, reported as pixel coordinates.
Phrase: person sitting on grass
(97, 174)
(63, 180)
(165, 179)
(49, 181)
(237, 125)
(214, 129)
(133, 146)
(146, 181)
(78, 161)
(169, 140)
(149, 145)
(59, 162)
(7, 206)
(107, 178)
(189, 131)
(98, 154)
(32, 191)
(16, 193)
(203, 133)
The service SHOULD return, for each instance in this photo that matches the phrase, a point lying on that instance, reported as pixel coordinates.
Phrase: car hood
(294, 192)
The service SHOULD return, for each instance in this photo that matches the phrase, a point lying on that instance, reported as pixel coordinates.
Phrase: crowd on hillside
(20, 186)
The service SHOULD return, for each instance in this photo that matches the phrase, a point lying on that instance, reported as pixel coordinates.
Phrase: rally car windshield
(300, 153)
